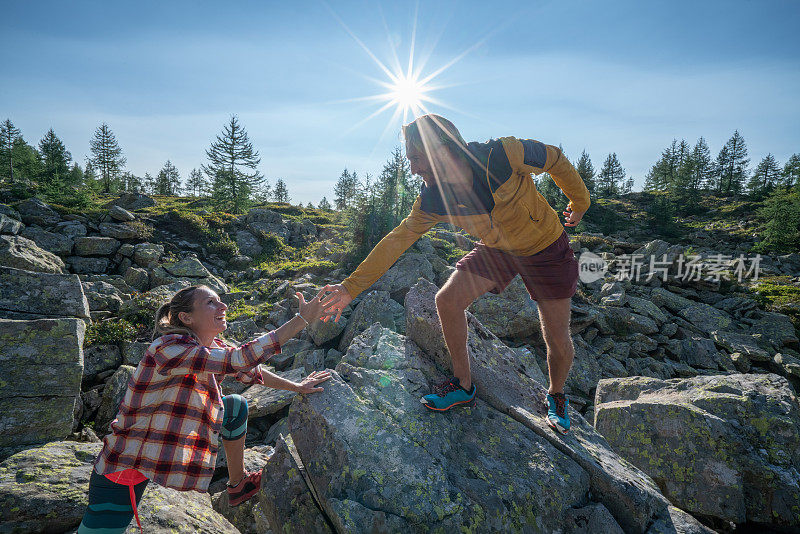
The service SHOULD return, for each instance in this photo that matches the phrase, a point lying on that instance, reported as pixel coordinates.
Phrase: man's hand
(308, 384)
(335, 302)
(572, 217)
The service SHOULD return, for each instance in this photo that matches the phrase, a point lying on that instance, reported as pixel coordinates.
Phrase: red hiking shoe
(245, 489)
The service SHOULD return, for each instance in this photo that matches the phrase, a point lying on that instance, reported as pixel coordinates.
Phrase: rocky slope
(683, 392)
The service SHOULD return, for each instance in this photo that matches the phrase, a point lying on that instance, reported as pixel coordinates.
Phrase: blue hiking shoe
(558, 413)
(449, 394)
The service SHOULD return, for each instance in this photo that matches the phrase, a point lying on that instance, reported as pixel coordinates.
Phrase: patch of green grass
(777, 291)
(111, 331)
(241, 310)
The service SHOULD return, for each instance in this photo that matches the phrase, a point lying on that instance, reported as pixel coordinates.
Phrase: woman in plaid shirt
(168, 422)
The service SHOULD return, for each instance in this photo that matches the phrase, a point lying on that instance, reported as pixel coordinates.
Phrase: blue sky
(624, 77)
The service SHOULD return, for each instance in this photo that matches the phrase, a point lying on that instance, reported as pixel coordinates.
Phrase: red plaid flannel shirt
(169, 420)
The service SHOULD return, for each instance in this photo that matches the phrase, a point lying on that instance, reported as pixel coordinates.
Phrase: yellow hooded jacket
(504, 208)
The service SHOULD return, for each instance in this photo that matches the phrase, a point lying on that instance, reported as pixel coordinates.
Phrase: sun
(407, 93)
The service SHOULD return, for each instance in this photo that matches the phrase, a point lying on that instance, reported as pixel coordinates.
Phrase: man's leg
(554, 315)
(451, 302)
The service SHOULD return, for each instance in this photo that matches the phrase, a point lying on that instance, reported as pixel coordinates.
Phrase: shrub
(110, 331)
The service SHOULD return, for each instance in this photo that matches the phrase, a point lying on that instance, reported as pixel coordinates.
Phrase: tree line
(230, 177)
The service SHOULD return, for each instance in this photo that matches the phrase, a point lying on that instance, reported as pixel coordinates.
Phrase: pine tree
(229, 157)
(149, 184)
(310, 206)
(131, 182)
(281, 192)
(168, 181)
(197, 183)
(610, 179)
(8, 136)
(344, 190)
(76, 177)
(107, 156)
(701, 168)
(549, 190)
(732, 162)
(663, 172)
(791, 172)
(766, 177)
(55, 161)
(90, 176)
(587, 172)
(324, 205)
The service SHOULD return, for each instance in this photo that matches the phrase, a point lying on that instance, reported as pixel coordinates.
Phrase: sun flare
(407, 93)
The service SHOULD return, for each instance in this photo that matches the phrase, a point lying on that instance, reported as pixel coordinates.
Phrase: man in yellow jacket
(487, 189)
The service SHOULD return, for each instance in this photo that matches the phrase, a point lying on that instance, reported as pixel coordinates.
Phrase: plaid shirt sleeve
(253, 376)
(180, 355)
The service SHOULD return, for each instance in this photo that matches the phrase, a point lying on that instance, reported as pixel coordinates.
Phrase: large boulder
(9, 225)
(262, 401)
(96, 246)
(404, 273)
(34, 211)
(378, 461)
(31, 295)
(285, 499)
(376, 306)
(58, 244)
(41, 364)
(724, 447)
(45, 489)
(504, 382)
(22, 253)
(132, 201)
(511, 314)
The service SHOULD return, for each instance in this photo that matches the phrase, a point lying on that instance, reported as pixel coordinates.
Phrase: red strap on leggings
(129, 477)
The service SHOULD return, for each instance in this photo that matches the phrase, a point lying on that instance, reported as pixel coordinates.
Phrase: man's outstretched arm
(380, 258)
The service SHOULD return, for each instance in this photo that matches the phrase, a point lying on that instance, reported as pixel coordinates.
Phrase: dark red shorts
(551, 273)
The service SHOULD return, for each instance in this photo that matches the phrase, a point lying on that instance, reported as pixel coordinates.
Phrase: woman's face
(437, 165)
(208, 314)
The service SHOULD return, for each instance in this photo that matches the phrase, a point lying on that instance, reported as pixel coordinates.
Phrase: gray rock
(742, 343)
(83, 265)
(286, 501)
(9, 225)
(628, 493)
(41, 363)
(30, 295)
(275, 431)
(133, 352)
(71, 229)
(45, 489)
(776, 328)
(646, 307)
(511, 314)
(288, 350)
(404, 273)
(119, 230)
(96, 246)
(263, 401)
(147, 254)
(242, 329)
(376, 306)
(706, 317)
(34, 211)
(102, 296)
(121, 214)
(590, 519)
(113, 394)
(22, 253)
(137, 278)
(310, 360)
(721, 446)
(58, 244)
(132, 201)
(664, 298)
(699, 352)
(248, 243)
(7, 210)
(322, 332)
(378, 461)
(99, 358)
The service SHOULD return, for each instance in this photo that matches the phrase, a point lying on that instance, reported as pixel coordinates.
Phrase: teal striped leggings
(110, 508)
